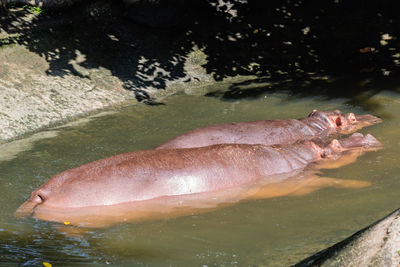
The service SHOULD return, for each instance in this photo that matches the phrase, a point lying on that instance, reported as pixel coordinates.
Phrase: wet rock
(49, 76)
(375, 245)
(30, 100)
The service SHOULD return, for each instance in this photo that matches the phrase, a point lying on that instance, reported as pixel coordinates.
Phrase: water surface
(268, 232)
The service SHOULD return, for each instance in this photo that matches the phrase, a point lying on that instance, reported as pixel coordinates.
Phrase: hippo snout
(367, 119)
(358, 140)
(372, 141)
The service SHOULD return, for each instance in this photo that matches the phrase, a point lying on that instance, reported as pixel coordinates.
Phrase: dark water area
(268, 232)
(147, 44)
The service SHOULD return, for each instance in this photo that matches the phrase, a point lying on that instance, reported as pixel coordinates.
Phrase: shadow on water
(357, 91)
(292, 44)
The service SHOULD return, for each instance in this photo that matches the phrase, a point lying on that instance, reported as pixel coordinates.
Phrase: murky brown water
(269, 232)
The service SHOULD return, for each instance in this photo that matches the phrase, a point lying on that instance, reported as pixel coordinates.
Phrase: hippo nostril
(351, 118)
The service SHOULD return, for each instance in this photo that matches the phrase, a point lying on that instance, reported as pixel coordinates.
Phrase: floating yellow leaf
(46, 264)
(66, 223)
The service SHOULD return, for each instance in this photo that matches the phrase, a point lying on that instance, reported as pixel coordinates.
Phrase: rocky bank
(375, 245)
(58, 83)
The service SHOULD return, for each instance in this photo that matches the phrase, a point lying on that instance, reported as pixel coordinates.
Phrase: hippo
(150, 179)
(318, 125)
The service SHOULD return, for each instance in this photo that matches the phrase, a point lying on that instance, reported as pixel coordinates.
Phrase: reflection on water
(273, 232)
(9, 151)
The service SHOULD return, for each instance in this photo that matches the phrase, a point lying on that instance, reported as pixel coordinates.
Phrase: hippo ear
(313, 113)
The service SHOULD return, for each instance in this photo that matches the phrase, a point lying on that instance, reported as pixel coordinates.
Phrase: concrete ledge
(375, 245)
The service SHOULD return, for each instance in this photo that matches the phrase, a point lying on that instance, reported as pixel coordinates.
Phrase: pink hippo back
(146, 175)
(150, 174)
(319, 124)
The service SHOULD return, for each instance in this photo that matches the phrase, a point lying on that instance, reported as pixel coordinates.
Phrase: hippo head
(343, 123)
(356, 142)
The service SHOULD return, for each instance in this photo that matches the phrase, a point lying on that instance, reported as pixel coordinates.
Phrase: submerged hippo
(317, 125)
(161, 176)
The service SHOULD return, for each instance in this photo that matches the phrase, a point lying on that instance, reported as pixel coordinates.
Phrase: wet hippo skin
(148, 176)
(318, 125)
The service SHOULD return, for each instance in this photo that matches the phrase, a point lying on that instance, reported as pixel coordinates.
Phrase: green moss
(33, 9)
